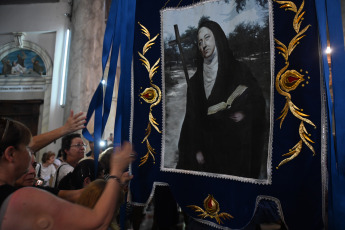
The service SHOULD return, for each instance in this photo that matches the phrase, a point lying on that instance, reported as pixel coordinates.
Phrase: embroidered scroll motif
(211, 206)
(151, 95)
(289, 80)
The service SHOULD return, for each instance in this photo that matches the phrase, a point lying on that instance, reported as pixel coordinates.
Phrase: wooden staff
(178, 41)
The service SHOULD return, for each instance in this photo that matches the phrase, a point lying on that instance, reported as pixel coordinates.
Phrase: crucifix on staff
(178, 42)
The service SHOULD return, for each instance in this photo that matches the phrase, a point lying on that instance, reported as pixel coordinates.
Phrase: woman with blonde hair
(92, 193)
(90, 196)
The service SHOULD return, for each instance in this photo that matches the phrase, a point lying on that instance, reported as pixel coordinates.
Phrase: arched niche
(13, 47)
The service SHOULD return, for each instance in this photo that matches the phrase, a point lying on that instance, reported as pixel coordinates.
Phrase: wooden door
(25, 111)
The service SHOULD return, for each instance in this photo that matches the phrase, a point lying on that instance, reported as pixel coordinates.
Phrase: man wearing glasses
(73, 150)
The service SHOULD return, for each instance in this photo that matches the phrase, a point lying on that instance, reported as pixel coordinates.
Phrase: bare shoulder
(31, 195)
(35, 208)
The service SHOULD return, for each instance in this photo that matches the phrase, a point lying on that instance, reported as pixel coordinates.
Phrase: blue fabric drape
(329, 14)
(118, 33)
(96, 104)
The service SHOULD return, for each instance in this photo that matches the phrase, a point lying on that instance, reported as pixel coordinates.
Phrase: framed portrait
(218, 90)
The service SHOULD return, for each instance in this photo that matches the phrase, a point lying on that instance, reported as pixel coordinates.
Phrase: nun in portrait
(224, 126)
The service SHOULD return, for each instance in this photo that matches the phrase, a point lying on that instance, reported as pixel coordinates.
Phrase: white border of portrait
(265, 181)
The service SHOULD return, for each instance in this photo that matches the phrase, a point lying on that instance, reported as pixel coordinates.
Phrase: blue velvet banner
(226, 106)
(228, 111)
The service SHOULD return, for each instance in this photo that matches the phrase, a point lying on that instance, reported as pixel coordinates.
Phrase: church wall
(45, 25)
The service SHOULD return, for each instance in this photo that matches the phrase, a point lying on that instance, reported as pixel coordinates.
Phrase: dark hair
(13, 133)
(59, 153)
(104, 159)
(66, 143)
(75, 179)
(46, 156)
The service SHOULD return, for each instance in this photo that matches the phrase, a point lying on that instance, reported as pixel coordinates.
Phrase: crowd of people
(91, 200)
(69, 176)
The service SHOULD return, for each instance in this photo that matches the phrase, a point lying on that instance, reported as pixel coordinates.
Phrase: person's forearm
(45, 139)
(73, 123)
(107, 203)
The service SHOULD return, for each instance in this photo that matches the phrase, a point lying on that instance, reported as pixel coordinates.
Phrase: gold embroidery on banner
(179, 3)
(176, 6)
(165, 4)
(211, 206)
(151, 95)
(289, 80)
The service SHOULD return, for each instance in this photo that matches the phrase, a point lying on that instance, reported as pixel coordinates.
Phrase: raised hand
(121, 158)
(74, 122)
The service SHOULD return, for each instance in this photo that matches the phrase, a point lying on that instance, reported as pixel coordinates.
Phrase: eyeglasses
(79, 146)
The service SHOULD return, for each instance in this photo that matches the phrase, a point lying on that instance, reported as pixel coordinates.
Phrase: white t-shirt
(62, 171)
(47, 173)
(57, 162)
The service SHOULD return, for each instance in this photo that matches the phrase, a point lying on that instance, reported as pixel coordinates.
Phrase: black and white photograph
(217, 80)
